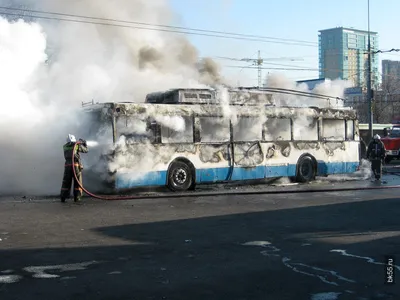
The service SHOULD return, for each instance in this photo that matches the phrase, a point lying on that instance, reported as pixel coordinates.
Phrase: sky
(285, 19)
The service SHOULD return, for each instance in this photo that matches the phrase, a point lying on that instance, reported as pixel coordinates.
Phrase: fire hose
(208, 194)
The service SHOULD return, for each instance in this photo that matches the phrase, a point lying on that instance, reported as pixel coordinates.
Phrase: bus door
(215, 151)
(248, 158)
(277, 135)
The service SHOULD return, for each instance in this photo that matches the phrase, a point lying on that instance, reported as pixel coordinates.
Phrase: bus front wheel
(180, 177)
(306, 170)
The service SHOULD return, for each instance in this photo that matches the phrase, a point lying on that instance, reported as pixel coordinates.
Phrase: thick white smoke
(19, 64)
(49, 68)
(333, 88)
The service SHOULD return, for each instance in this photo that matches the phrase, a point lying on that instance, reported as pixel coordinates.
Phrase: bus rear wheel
(306, 170)
(180, 177)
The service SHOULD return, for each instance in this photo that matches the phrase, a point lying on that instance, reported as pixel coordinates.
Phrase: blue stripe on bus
(159, 178)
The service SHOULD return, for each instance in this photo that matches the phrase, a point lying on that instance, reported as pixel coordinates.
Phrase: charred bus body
(185, 137)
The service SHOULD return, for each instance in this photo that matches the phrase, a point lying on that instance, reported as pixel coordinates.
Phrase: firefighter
(376, 153)
(68, 171)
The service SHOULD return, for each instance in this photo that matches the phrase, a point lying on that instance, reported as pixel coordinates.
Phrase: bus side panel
(212, 174)
(130, 180)
(283, 170)
(248, 173)
(326, 168)
(248, 161)
(213, 162)
(340, 161)
(149, 165)
(332, 157)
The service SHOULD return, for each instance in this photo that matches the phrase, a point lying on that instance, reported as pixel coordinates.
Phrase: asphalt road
(293, 246)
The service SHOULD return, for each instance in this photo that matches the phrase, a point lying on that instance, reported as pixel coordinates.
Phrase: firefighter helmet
(71, 138)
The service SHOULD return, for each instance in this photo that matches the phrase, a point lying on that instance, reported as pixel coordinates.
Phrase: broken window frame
(316, 121)
(189, 141)
(244, 116)
(278, 118)
(153, 131)
(197, 129)
(330, 139)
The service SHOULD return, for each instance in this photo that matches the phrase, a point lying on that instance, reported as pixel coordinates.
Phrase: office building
(343, 54)
(390, 72)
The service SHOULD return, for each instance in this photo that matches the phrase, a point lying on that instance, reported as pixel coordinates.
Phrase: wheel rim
(306, 169)
(180, 176)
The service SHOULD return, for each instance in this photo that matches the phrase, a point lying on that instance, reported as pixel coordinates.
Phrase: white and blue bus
(184, 137)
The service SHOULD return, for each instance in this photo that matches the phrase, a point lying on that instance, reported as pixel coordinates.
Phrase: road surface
(292, 246)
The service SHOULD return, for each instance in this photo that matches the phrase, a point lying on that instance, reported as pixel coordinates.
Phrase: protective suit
(376, 153)
(68, 171)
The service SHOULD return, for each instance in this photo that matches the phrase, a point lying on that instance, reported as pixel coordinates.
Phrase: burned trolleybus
(185, 137)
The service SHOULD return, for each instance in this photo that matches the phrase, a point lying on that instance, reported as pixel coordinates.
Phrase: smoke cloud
(49, 68)
(333, 88)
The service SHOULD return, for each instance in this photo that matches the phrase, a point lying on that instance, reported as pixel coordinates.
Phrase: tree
(387, 102)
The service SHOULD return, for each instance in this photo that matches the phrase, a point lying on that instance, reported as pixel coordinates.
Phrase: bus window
(214, 130)
(277, 130)
(192, 96)
(350, 130)
(204, 96)
(247, 129)
(333, 130)
(176, 129)
(135, 129)
(305, 129)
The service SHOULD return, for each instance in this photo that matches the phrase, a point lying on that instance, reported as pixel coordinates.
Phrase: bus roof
(238, 96)
(126, 108)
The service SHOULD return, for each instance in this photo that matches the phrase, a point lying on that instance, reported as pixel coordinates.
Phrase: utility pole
(369, 90)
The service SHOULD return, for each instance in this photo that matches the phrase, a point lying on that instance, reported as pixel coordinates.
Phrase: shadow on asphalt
(204, 258)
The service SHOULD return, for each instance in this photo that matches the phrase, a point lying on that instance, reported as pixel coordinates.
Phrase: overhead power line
(387, 51)
(264, 61)
(383, 51)
(290, 69)
(259, 61)
(155, 27)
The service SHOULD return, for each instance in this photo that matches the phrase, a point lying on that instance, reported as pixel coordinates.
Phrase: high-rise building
(390, 71)
(343, 54)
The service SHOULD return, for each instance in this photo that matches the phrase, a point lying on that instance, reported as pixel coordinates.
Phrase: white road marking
(67, 277)
(300, 267)
(368, 259)
(286, 260)
(257, 243)
(39, 271)
(264, 244)
(115, 273)
(10, 278)
(270, 251)
(333, 273)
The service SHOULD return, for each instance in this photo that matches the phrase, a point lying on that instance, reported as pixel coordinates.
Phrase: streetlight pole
(369, 90)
